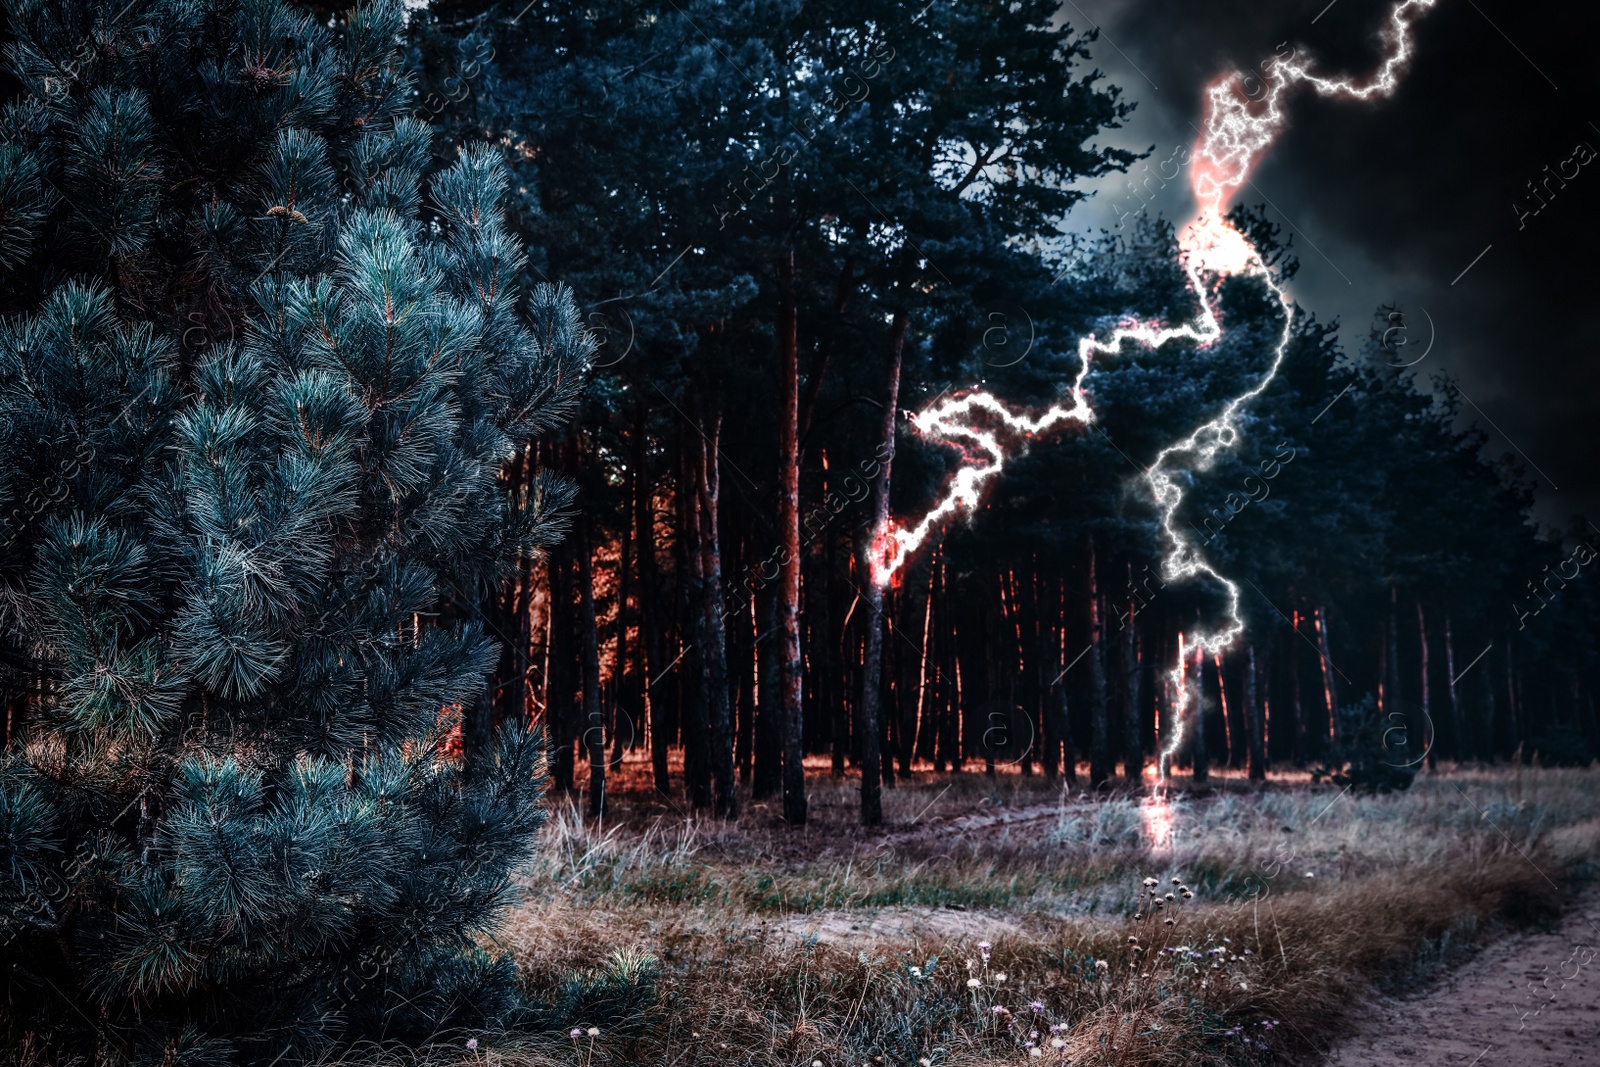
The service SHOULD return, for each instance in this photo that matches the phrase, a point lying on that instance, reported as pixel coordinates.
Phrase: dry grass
(836, 945)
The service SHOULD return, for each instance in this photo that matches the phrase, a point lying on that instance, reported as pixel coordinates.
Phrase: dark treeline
(791, 226)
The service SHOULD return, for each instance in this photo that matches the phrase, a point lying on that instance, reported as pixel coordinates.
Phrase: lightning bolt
(1239, 127)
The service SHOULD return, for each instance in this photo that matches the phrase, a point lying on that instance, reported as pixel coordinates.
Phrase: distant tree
(256, 390)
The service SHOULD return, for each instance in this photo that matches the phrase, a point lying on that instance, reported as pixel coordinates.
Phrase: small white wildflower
(1101, 965)
(579, 1033)
(472, 1042)
(1056, 1042)
(594, 1031)
(1000, 976)
(1035, 1053)
(973, 983)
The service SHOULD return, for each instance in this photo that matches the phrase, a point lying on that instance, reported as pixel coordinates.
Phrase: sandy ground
(1526, 1001)
(929, 926)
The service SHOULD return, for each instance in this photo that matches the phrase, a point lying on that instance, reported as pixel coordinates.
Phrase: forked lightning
(1238, 129)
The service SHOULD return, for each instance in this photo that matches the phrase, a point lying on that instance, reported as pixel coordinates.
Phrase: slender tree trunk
(691, 558)
(829, 704)
(594, 733)
(1513, 718)
(651, 661)
(559, 690)
(1427, 711)
(1255, 718)
(1295, 706)
(1487, 744)
(1171, 692)
(995, 711)
(1329, 690)
(1133, 726)
(871, 551)
(1227, 710)
(767, 779)
(743, 621)
(1458, 747)
(947, 751)
(1389, 694)
(1061, 734)
(514, 687)
(725, 797)
(623, 681)
(910, 679)
(792, 678)
(1099, 726)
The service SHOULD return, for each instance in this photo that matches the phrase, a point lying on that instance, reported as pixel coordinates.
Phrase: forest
(792, 288)
(442, 438)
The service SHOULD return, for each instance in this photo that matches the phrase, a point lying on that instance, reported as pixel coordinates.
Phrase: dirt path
(1526, 1001)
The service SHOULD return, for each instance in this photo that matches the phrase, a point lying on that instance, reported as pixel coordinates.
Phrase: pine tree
(260, 375)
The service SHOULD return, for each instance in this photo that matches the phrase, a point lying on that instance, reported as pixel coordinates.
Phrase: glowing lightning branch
(1238, 131)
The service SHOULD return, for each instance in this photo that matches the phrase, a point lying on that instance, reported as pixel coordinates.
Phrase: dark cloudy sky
(1391, 202)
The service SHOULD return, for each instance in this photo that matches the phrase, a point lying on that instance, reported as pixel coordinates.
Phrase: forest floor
(1007, 920)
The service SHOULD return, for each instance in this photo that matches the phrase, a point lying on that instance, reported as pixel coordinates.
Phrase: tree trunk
(624, 682)
(871, 551)
(1255, 718)
(1199, 753)
(651, 660)
(767, 778)
(1132, 672)
(1512, 717)
(594, 733)
(911, 680)
(743, 643)
(1389, 694)
(715, 648)
(791, 677)
(1295, 707)
(1329, 691)
(1099, 726)
(1458, 747)
(559, 690)
(1059, 732)
(696, 711)
(1487, 743)
(1427, 711)
(828, 703)
(1227, 710)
